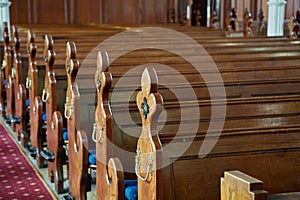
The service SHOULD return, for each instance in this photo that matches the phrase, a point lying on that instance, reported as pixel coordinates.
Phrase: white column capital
(4, 15)
(277, 2)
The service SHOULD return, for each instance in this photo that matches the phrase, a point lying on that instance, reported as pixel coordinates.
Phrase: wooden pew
(110, 183)
(2, 92)
(54, 154)
(238, 148)
(294, 26)
(8, 73)
(36, 106)
(247, 24)
(77, 140)
(238, 185)
(110, 178)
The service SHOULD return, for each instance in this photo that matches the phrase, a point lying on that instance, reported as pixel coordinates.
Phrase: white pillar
(276, 17)
(4, 15)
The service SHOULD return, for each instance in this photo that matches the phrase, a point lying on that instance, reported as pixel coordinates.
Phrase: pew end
(237, 185)
(56, 167)
(148, 160)
(36, 131)
(21, 115)
(79, 178)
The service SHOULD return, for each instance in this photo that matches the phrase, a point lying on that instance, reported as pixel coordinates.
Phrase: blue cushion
(65, 135)
(27, 102)
(92, 157)
(131, 193)
(131, 189)
(44, 116)
(4, 82)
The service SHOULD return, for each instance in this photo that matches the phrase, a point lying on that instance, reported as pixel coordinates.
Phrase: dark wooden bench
(237, 148)
(234, 106)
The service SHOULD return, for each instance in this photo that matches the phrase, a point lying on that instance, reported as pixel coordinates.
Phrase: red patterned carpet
(18, 180)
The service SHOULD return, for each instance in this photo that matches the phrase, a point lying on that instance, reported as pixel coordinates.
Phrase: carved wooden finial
(6, 35)
(32, 51)
(71, 50)
(48, 45)
(50, 59)
(102, 66)
(72, 65)
(102, 61)
(30, 40)
(16, 39)
(247, 23)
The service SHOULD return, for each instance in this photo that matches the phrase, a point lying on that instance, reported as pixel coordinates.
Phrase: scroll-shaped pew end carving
(32, 87)
(36, 135)
(149, 150)
(30, 40)
(247, 24)
(54, 155)
(231, 23)
(16, 75)
(10, 108)
(110, 177)
(21, 113)
(48, 46)
(77, 140)
(294, 27)
(56, 173)
(2, 93)
(237, 185)
(49, 98)
(78, 155)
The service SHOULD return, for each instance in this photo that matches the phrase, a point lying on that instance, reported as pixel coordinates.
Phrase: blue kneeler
(65, 134)
(44, 116)
(131, 190)
(27, 103)
(92, 157)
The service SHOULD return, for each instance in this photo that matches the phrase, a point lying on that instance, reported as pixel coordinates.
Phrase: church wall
(121, 11)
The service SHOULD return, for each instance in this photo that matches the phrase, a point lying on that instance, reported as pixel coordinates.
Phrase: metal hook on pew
(13, 73)
(68, 110)
(3, 64)
(138, 165)
(45, 95)
(28, 82)
(97, 129)
(108, 180)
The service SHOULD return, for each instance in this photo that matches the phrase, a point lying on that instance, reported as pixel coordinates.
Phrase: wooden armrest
(237, 185)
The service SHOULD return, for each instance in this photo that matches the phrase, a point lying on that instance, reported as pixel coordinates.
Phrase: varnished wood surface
(251, 150)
